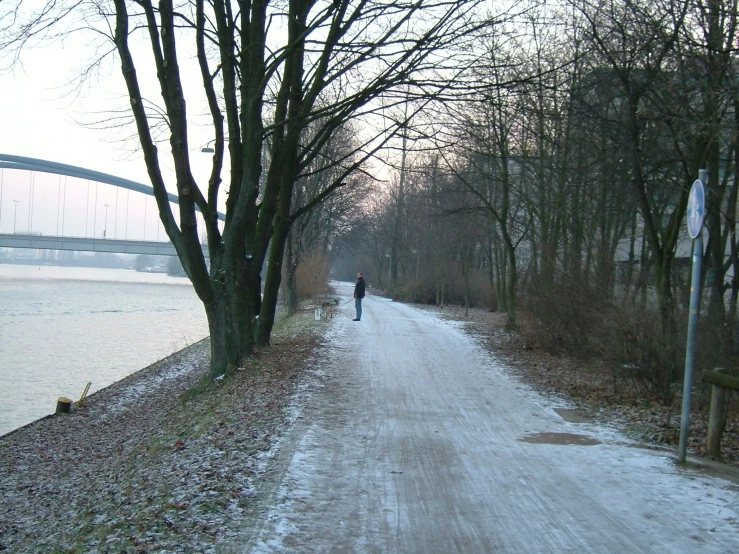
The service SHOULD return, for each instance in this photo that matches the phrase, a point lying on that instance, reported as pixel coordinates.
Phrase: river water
(61, 327)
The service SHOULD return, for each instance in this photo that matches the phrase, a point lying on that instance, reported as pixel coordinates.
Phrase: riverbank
(63, 327)
(162, 461)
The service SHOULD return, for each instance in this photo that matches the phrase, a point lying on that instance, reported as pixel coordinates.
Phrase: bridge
(82, 244)
(41, 234)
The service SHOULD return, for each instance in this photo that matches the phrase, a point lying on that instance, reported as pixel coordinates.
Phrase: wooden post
(63, 405)
(717, 417)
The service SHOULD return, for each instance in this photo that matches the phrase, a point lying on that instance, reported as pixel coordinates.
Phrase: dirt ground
(595, 394)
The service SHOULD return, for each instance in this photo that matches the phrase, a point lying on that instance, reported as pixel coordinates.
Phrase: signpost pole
(696, 211)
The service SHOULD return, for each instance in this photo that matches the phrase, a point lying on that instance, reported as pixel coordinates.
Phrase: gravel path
(418, 441)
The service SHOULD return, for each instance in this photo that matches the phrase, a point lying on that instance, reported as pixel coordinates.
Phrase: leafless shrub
(567, 318)
(576, 319)
(312, 274)
(643, 349)
(422, 292)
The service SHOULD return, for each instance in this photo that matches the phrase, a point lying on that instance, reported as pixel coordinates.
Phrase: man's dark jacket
(359, 288)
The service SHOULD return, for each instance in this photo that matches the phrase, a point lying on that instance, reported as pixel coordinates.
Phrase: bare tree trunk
(466, 262)
(399, 212)
(292, 254)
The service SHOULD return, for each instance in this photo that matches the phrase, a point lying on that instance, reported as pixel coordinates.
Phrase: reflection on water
(61, 327)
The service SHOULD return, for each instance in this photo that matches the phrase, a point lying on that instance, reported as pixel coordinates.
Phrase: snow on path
(412, 444)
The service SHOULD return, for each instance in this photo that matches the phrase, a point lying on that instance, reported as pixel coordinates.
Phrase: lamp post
(207, 149)
(105, 229)
(15, 214)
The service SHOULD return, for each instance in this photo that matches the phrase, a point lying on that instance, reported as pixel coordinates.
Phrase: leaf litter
(162, 461)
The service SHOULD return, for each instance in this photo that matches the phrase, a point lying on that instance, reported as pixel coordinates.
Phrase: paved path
(412, 443)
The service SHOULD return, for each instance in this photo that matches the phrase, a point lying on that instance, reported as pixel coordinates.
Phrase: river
(61, 327)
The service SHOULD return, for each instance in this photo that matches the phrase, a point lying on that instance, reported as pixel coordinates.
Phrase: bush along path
(596, 390)
(162, 461)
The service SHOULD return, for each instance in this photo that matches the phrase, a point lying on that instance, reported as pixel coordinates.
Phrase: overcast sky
(41, 116)
(38, 115)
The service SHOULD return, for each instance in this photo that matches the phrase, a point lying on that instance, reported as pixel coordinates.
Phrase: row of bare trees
(560, 179)
(544, 152)
(319, 234)
(279, 81)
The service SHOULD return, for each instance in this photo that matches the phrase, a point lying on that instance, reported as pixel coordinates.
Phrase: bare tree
(486, 134)
(634, 39)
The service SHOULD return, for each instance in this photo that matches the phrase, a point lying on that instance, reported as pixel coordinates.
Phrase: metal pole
(695, 282)
(58, 202)
(128, 202)
(95, 212)
(64, 203)
(144, 217)
(87, 208)
(105, 229)
(30, 203)
(15, 214)
(2, 178)
(115, 224)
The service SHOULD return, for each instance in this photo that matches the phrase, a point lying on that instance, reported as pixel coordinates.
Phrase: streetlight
(15, 214)
(208, 149)
(105, 229)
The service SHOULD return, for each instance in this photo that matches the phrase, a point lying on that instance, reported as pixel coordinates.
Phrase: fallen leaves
(140, 470)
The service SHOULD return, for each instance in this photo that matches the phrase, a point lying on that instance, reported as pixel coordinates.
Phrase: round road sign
(696, 208)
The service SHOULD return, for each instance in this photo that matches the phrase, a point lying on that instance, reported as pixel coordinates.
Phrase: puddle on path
(560, 438)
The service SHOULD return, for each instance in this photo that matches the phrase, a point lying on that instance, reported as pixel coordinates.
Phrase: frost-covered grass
(163, 461)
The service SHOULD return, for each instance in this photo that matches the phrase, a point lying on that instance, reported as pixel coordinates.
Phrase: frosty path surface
(412, 444)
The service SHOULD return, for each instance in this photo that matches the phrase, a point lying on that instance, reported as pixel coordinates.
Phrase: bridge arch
(8, 161)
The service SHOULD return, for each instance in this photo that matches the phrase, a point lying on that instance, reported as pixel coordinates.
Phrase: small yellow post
(84, 395)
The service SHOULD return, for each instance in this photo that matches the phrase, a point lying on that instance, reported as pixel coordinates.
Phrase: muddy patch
(560, 438)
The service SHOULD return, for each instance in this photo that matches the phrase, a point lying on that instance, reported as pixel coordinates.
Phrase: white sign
(696, 208)
(318, 314)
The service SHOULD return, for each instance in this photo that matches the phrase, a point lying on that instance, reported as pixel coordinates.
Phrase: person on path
(358, 295)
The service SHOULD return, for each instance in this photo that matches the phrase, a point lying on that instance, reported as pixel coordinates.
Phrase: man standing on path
(358, 295)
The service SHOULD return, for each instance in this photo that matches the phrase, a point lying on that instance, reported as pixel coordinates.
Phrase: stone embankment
(162, 461)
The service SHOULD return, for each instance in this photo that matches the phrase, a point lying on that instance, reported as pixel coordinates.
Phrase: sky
(41, 116)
